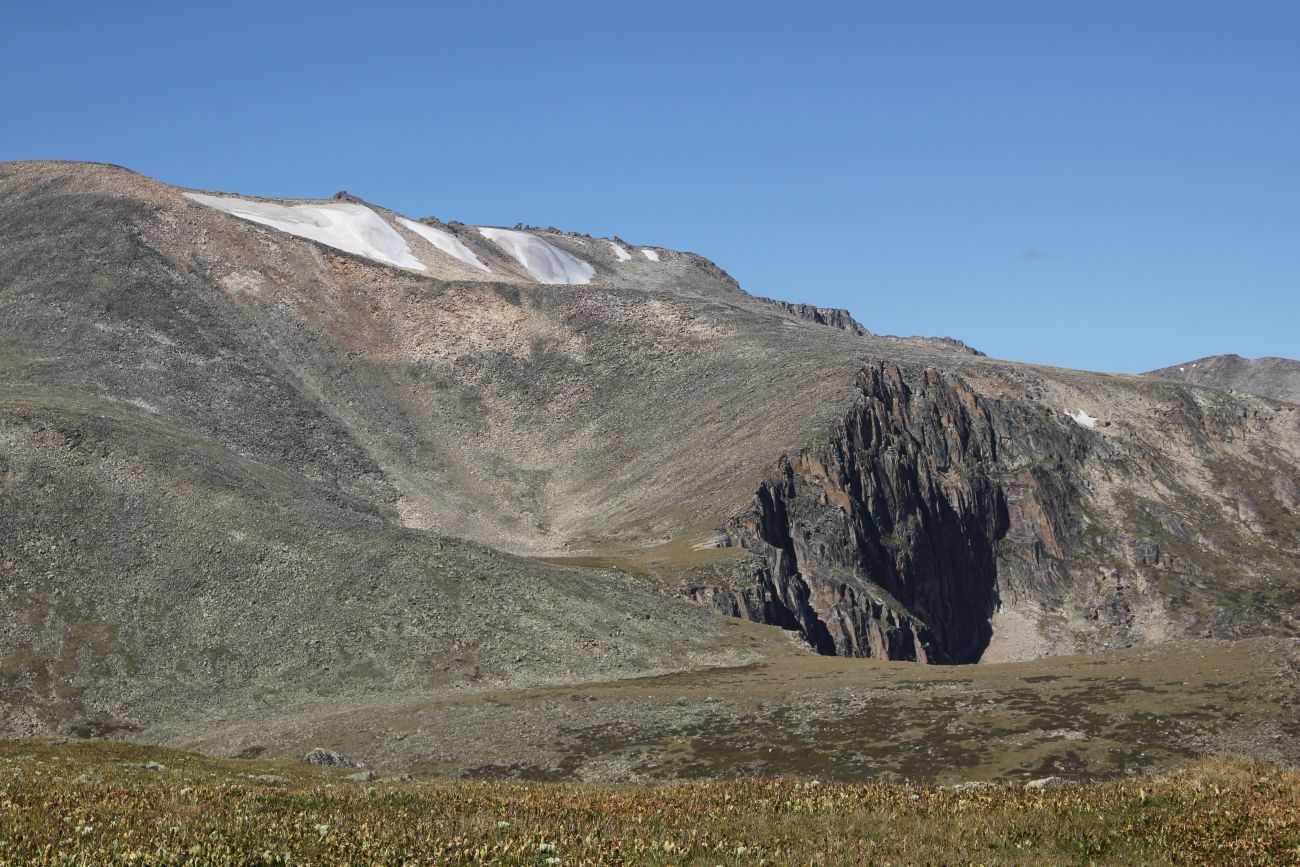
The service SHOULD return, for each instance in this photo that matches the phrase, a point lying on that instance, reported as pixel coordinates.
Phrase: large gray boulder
(330, 759)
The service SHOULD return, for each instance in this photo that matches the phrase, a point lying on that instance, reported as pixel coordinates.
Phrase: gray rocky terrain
(260, 494)
(1278, 378)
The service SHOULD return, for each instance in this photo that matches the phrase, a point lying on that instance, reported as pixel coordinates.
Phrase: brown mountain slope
(1278, 378)
(247, 475)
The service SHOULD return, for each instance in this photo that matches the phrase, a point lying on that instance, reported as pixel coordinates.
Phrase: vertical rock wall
(880, 536)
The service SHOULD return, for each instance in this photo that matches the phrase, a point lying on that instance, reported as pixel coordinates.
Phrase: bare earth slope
(1278, 378)
(251, 483)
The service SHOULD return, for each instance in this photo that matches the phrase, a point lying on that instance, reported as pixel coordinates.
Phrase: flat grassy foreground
(98, 803)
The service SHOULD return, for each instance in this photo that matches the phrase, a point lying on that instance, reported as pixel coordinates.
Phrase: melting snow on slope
(342, 225)
(444, 241)
(548, 264)
(1082, 418)
(623, 255)
(652, 255)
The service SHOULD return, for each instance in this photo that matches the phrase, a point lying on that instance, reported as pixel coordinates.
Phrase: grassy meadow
(101, 803)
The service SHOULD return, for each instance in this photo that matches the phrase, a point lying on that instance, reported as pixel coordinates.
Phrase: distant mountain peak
(1268, 376)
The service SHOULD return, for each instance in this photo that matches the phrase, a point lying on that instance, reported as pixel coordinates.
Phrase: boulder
(330, 759)
(1046, 783)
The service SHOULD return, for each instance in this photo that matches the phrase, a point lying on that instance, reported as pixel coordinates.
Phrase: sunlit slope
(246, 469)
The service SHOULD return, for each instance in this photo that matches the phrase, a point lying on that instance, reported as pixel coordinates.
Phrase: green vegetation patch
(107, 803)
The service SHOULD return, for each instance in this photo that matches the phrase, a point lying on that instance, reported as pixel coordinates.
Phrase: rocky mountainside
(1278, 378)
(270, 461)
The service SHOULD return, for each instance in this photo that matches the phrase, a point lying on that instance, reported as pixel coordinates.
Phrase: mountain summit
(1278, 378)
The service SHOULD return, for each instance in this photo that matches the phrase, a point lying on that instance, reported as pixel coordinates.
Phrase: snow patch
(341, 225)
(1082, 418)
(444, 241)
(652, 255)
(546, 263)
(1182, 370)
(623, 255)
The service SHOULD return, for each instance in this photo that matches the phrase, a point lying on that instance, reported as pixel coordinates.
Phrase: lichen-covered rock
(330, 759)
(1046, 783)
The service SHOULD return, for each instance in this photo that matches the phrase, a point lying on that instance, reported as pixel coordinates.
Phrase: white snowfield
(546, 263)
(1082, 418)
(444, 241)
(652, 255)
(342, 225)
(622, 254)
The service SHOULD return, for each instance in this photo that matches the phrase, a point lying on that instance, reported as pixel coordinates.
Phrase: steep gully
(880, 539)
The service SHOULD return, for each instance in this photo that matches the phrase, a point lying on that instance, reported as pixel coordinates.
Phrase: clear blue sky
(1107, 185)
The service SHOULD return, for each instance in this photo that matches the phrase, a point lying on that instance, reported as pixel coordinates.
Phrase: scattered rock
(146, 766)
(361, 777)
(970, 786)
(1046, 783)
(268, 778)
(330, 759)
(90, 779)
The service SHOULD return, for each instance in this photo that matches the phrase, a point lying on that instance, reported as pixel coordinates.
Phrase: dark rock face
(1278, 378)
(840, 319)
(831, 317)
(879, 538)
(934, 504)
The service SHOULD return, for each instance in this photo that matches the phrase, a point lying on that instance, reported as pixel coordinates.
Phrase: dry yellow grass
(86, 804)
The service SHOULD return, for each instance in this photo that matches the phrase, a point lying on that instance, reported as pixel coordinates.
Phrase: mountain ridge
(246, 473)
(1269, 376)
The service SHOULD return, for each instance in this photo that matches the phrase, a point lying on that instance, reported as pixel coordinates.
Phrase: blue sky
(1105, 185)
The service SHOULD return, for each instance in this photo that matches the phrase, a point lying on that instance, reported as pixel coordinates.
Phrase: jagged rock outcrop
(879, 537)
(831, 317)
(938, 342)
(840, 319)
(934, 515)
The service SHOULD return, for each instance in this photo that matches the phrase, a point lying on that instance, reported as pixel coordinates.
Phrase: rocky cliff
(879, 536)
(931, 514)
(832, 317)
